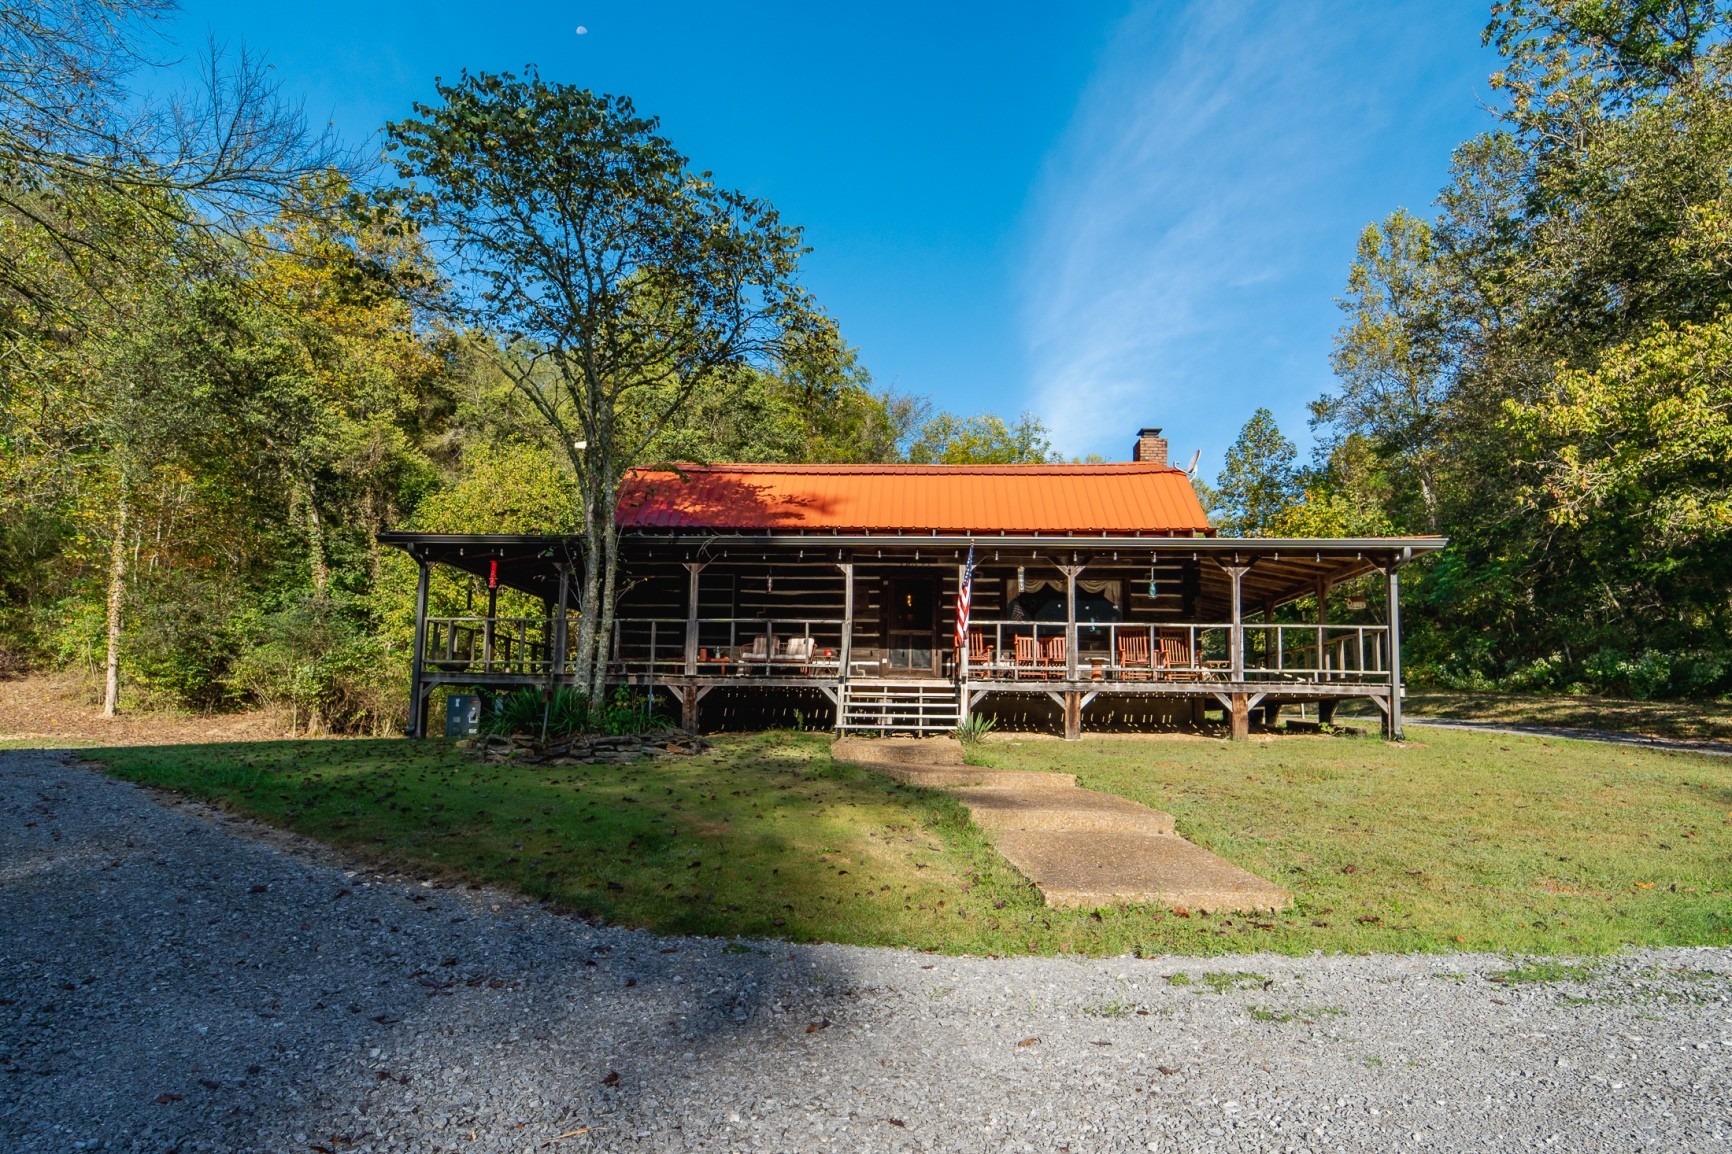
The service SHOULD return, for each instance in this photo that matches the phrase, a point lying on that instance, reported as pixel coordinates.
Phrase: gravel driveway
(171, 980)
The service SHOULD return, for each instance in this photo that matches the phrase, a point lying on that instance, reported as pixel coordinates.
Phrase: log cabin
(1097, 591)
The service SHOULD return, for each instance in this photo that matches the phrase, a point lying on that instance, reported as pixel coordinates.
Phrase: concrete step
(1014, 807)
(1095, 868)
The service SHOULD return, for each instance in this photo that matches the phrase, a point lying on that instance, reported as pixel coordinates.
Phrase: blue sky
(1109, 214)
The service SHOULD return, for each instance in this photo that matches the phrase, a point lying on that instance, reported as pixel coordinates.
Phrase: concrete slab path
(1080, 847)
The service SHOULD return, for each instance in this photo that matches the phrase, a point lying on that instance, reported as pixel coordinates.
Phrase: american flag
(964, 593)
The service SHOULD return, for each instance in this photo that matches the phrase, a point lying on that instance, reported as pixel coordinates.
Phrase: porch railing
(730, 646)
(510, 645)
(1009, 650)
(1124, 651)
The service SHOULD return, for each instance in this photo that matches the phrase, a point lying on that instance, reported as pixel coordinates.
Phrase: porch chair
(798, 652)
(1135, 661)
(757, 653)
(980, 654)
(1176, 661)
(1027, 659)
(1052, 656)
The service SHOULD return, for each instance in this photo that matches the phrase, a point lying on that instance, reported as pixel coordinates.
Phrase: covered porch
(1181, 624)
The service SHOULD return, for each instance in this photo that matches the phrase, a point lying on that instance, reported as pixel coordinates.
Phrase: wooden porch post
(1070, 574)
(417, 704)
(556, 651)
(1239, 716)
(1072, 697)
(1322, 620)
(693, 568)
(487, 629)
(1392, 720)
(845, 652)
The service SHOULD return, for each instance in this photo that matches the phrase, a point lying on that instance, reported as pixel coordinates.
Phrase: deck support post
(1236, 578)
(1392, 716)
(961, 654)
(1239, 718)
(418, 664)
(1326, 711)
(689, 708)
(1073, 707)
(693, 568)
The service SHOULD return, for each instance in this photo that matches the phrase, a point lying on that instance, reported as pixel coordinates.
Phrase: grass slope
(1463, 841)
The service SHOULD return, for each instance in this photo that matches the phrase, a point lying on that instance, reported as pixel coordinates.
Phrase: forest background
(231, 359)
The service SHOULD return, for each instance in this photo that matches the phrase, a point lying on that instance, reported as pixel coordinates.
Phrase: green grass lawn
(1455, 841)
(1693, 720)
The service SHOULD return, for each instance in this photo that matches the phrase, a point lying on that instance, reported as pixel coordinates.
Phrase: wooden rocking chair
(1176, 660)
(1052, 656)
(1135, 661)
(980, 654)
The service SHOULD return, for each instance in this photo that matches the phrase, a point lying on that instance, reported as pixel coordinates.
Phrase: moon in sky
(582, 31)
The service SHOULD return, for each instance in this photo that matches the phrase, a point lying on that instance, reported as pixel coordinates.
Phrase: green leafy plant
(975, 728)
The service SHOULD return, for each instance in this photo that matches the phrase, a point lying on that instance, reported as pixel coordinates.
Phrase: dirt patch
(54, 709)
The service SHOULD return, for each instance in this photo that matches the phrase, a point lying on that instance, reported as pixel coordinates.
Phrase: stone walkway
(1080, 847)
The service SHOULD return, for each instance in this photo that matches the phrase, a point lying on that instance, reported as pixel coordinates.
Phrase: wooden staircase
(912, 706)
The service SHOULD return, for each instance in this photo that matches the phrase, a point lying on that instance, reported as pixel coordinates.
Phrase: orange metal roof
(1126, 498)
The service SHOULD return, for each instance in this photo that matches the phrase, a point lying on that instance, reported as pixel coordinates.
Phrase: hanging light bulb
(1154, 589)
(1021, 573)
(770, 584)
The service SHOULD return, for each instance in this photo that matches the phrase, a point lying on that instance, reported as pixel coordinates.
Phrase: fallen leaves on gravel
(1167, 1071)
(165, 1099)
(1027, 1042)
(612, 1078)
(820, 1024)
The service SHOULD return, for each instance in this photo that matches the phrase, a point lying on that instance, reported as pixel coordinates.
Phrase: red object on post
(493, 574)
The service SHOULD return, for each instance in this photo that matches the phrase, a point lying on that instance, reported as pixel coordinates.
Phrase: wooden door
(911, 625)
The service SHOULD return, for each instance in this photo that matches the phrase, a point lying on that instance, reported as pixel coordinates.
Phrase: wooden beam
(418, 665)
(1392, 719)
(1070, 575)
(846, 650)
(1239, 718)
(693, 568)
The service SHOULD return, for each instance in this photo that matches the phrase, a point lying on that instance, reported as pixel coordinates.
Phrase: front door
(911, 624)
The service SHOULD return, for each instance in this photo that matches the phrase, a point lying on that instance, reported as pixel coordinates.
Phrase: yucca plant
(975, 728)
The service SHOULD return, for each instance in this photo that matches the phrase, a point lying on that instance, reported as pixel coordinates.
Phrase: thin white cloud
(1190, 192)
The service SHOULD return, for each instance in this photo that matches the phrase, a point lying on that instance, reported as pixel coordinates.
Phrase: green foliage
(975, 728)
(1260, 479)
(947, 439)
(568, 712)
(1541, 370)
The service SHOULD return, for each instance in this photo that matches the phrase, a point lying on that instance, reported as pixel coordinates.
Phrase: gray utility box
(462, 714)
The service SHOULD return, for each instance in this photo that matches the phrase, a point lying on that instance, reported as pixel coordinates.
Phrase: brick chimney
(1151, 447)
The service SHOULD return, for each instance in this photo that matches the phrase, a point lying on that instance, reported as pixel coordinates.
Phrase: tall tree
(1260, 478)
(1578, 271)
(607, 268)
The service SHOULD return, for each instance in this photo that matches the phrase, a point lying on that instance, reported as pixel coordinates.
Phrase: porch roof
(1124, 498)
(1280, 569)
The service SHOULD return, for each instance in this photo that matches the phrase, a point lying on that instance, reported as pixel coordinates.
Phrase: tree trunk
(317, 567)
(609, 587)
(589, 601)
(116, 597)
